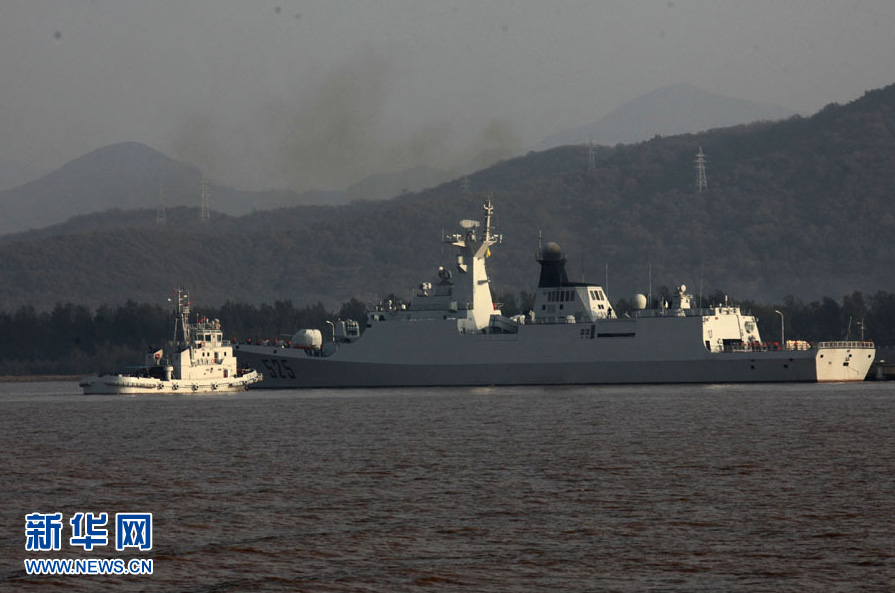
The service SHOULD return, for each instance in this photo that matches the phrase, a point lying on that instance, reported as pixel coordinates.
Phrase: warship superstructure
(452, 333)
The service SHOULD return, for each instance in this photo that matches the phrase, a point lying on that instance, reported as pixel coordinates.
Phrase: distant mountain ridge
(15, 173)
(671, 110)
(127, 175)
(389, 185)
(130, 176)
(797, 207)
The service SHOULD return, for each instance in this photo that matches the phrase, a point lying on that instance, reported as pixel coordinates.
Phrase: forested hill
(801, 207)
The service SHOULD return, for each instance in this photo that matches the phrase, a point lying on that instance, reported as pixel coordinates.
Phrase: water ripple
(693, 488)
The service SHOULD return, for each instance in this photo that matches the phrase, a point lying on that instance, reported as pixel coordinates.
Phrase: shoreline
(38, 378)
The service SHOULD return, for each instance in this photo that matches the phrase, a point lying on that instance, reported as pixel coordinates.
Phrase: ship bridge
(560, 301)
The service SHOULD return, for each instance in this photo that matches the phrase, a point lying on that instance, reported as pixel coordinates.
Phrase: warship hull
(452, 333)
(546, 355)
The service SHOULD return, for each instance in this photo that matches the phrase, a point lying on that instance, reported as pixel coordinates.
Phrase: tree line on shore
(72, 339)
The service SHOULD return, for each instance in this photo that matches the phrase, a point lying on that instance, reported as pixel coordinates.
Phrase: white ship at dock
(451, 334)
(200, 361)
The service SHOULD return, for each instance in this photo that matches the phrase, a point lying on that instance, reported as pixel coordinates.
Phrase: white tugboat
(451, 333)
(201, 361)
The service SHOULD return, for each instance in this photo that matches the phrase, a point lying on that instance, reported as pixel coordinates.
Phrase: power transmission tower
(205, 211)
(701, 183)
(591, 155)
(160, 216)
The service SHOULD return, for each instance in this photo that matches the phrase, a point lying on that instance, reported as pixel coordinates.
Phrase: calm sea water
(659, 488)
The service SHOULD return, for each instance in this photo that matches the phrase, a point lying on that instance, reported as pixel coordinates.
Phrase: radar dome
(551, 251)
(639, 302)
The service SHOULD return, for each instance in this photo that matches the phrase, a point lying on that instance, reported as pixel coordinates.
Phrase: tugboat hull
(125, 385)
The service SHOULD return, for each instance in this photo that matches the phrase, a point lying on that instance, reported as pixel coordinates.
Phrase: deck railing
(850, 344)
(796, 345)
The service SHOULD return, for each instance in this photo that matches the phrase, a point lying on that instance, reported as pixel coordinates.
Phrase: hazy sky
(305, 94)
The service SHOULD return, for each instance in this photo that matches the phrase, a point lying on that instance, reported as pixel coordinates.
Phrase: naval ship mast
(182, 319)
(473, 286)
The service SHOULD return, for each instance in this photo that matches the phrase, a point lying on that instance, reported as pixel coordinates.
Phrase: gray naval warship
(451, 333)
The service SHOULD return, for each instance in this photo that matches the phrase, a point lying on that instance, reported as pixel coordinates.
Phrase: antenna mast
(489, 209)
(606, 286)
(701, 183)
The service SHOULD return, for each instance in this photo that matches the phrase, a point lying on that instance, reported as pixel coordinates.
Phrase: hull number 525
(278, 369)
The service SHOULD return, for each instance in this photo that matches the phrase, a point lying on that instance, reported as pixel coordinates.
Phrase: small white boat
(201, 361)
